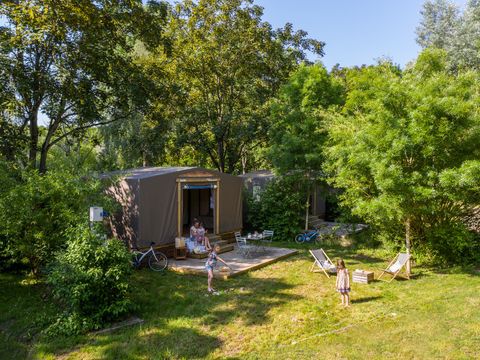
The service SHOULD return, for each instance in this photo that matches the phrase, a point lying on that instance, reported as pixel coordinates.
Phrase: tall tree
(401, 146)
(443, 26)
(298, 132)
(438, 25)
(228, 64)
(71, 61)
(465, 45)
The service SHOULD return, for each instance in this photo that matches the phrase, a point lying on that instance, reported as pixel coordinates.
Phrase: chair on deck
(323, 262)
(396, 265)
(242, 244)
(267, 238)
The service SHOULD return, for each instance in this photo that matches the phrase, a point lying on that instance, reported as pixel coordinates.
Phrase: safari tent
(160, 203)
(255, 182)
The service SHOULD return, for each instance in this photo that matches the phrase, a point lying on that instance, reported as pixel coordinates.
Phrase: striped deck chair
(396, 265)
(322, 261)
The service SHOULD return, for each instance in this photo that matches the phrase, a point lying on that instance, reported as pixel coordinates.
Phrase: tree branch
(79, 128)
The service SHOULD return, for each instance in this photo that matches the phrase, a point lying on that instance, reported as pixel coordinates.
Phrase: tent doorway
(198, 202)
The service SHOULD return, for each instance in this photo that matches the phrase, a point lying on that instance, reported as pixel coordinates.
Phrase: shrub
(90, 279)
(452, 243)
(8, 180)
(36, 211)
(281, 207)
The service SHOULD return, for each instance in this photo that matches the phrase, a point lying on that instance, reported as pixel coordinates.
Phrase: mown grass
(279, 312)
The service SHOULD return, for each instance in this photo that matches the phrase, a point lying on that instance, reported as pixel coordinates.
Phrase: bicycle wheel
(158, 261)
(135, 262)
(299, 239)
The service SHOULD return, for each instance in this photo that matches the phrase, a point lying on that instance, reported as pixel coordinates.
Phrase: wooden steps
(229, 237)
(214, 238)
(314, 222)
(225, 240)
(225, 246)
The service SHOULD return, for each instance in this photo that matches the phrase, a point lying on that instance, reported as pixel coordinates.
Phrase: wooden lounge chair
(322, 261)
(396, 265)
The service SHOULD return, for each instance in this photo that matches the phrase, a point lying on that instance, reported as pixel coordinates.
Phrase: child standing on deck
(210, 265)
(343, 282)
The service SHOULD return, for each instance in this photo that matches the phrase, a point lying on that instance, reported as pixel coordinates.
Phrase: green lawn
(279, 312)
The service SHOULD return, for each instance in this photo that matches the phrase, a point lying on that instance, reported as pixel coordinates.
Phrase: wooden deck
(238, 263)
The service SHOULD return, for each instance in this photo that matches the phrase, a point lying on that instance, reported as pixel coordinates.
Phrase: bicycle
(308, 236)
(157, 261)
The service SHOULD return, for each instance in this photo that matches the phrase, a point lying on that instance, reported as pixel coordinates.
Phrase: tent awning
(195, 187)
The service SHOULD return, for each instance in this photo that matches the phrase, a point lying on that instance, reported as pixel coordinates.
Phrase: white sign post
(96, 214)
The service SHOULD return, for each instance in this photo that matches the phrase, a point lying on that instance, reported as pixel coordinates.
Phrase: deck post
(217, 208)
(180, 208)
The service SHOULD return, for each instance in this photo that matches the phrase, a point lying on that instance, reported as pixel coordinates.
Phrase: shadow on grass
(367, 258)
(167, 302)
(365, 299)
(24, 312)
(167, 342)
(471, 270)
(252, 301)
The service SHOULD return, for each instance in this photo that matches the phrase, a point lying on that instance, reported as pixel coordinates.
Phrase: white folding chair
(242, 244)
(396, 265)
(323, 262)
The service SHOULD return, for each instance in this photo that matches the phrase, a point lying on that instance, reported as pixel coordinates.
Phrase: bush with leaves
(281, 207)
(8, 180)
(37, 210)
(90, 279)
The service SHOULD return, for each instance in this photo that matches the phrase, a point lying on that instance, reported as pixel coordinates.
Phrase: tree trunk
(408, 243)
(42, 168)
(307, 205)
(244, 164)
(33, 145)
(144, 158)
(221, 156)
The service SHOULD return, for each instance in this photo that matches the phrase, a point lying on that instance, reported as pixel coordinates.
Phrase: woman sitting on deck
(197, 233)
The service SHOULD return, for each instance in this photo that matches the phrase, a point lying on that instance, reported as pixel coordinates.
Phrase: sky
(356, 32)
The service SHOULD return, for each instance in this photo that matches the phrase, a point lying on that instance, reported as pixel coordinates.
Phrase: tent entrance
(197, 201)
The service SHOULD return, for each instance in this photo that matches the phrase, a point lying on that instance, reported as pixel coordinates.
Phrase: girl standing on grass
(343, 282)
(210, 265)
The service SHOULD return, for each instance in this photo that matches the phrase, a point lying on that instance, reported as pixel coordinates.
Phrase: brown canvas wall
(125, 223)
(158, 210)
(230, 203)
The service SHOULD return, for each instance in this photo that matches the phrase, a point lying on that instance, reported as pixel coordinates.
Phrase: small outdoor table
(255, 239)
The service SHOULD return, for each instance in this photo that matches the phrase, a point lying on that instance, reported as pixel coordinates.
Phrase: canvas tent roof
(258, 174)
(145, 172)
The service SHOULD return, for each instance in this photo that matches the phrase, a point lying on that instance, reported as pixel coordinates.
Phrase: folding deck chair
(322, 261)
(396, 266)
